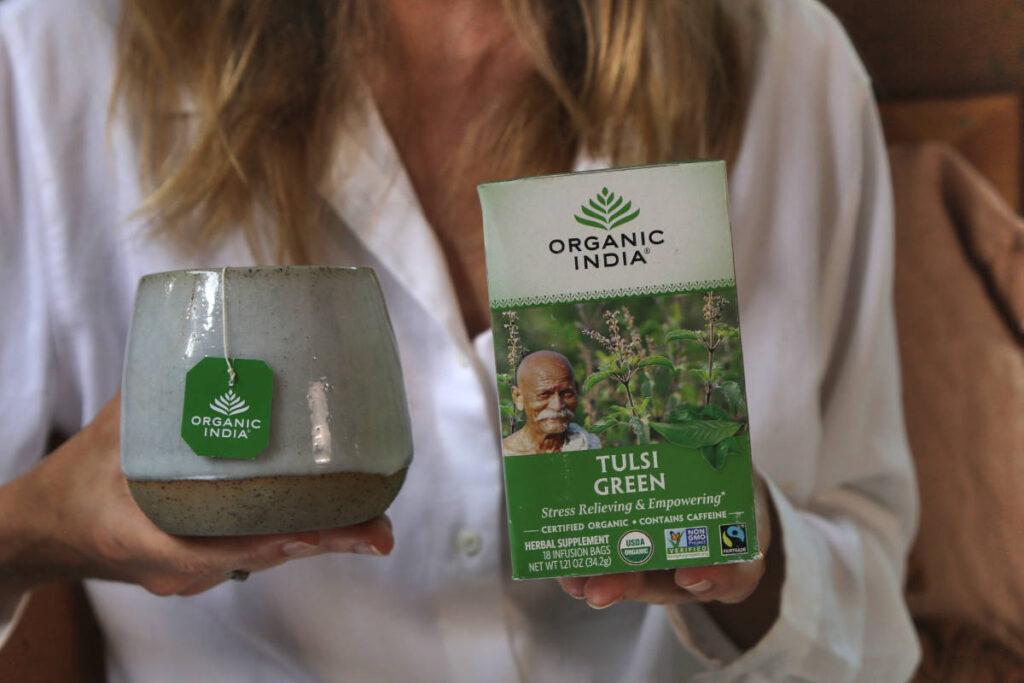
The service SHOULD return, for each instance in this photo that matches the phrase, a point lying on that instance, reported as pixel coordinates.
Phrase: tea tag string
(232, 375)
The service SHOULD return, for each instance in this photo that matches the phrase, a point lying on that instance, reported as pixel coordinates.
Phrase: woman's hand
(743, 597)
(72, 517)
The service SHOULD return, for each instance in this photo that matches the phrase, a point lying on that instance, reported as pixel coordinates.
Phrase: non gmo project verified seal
(686, 543)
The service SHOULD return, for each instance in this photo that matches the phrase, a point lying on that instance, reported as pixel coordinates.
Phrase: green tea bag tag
(224, 419)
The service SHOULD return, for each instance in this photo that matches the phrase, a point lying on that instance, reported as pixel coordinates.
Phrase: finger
(213, 557)
(657, 587)
(730, 583)
(605, 590)
(369, 538)
(573, 585)
(106, 425)
(201, 586)
(195, 570)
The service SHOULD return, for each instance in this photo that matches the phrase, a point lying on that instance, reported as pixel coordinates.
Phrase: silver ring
(238, 575)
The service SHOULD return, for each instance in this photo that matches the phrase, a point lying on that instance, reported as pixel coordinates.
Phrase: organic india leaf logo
(606, 211)
(229, 404)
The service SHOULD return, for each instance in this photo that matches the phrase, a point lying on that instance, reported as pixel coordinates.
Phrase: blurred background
(949, 76)
(951, 71)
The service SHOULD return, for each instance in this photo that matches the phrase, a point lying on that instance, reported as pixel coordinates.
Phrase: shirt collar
(371, 192)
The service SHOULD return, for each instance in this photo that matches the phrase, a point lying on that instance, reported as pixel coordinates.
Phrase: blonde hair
(237, 103)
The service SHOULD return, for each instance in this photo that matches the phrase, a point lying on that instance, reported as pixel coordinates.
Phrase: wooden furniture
(984, 128)
(56, 640)
(951, 71)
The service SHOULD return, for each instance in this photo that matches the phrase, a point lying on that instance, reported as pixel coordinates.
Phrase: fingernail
(593, 606)
(699, 587)
(366, 549)
(298, 549)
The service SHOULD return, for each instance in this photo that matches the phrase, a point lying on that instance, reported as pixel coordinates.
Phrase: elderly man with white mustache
(546, 391)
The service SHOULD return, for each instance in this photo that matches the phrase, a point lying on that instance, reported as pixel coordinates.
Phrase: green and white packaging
(620, 370)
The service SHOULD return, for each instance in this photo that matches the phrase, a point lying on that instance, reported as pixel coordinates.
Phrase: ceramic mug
(262, 400)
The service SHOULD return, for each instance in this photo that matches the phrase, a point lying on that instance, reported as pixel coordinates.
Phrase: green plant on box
(698, 404)
(665, 369)
(710, 428)
(624, 359)
(510, 415)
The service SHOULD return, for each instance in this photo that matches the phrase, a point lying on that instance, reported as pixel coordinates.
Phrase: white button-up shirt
(811, 212)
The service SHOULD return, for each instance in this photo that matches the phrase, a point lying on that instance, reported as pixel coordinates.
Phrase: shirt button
(469, 542)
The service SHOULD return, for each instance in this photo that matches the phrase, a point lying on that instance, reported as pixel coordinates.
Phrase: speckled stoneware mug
(306, 427)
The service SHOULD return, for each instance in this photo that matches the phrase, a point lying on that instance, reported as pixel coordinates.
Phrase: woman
(354, 133)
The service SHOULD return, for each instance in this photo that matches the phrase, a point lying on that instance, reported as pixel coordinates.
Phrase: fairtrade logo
(734, 538)
(229, 404)
(606, 211)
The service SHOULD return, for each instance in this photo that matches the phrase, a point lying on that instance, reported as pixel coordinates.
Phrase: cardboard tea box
(620, 381)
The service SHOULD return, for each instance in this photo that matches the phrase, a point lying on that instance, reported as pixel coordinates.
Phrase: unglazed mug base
(265, 505)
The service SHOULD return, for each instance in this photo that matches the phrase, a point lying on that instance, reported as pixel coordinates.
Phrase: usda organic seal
(636, 547)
